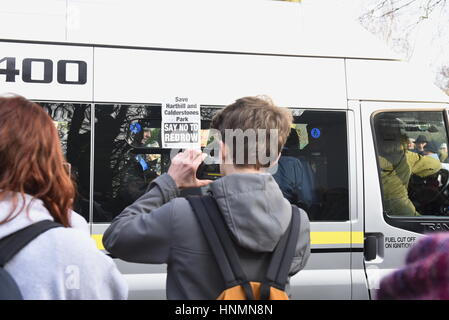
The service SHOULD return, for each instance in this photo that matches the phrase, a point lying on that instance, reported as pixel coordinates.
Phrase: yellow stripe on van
(336, 237)
(98, 240)
(328, 237)
(358, 237)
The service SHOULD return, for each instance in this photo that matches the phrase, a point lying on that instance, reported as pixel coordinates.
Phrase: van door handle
(370, 249)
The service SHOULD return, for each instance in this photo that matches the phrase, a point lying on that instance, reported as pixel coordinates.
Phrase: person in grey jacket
(62, 263)
(161, 227)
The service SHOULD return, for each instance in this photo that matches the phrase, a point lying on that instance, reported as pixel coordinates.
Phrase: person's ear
(275, 161)
(223, 151)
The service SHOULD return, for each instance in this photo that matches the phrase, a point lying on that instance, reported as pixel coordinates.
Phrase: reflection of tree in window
(207, 113)
(107, 128)
(74, 130)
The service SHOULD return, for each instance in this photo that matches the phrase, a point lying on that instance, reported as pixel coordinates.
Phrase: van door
(402, 202)
(313, 173)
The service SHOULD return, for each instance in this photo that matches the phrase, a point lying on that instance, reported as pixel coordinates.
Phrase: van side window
(73, 124)
(413, 163)
(128, 154)
(312, 171)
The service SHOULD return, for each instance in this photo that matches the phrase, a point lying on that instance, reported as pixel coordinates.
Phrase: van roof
(250, 26)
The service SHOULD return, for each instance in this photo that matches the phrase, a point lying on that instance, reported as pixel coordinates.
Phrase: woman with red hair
(63, 262)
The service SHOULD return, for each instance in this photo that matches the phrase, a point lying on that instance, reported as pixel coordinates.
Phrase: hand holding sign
(183, 169)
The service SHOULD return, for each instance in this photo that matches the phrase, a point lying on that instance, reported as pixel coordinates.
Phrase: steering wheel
(443, 178)
(428, 193)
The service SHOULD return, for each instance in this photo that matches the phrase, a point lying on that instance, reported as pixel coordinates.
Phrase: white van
(98, 67)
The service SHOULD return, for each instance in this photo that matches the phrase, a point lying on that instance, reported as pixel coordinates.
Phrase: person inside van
(397, 164)
(144, 139)
(161, 227)
(420, 144)
(147, 141)
(140, 169)
(294, 174)
(411, 144)
(35, 187)
(432, 150)
(442, 152)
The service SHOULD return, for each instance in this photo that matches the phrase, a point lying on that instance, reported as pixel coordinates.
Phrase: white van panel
(391, 81)
(139, 285)
(210, 25)
(308, 285)
(255, 26)
(47, 91)
(233, 26)
(148, 76)
(33, 20)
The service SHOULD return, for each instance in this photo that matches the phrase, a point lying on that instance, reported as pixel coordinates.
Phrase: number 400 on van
(8, 68)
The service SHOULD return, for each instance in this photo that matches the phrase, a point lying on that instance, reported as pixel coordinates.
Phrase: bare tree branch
(398, 8)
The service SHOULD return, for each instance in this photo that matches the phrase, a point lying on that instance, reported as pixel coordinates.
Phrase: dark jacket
(395, 177)
(296, 180)
(161, 228)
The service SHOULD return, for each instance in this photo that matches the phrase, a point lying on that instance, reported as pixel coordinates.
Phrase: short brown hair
(254, 113)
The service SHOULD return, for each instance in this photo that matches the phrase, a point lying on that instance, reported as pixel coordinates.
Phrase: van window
(313, 168)
(128, 154)
(73, 124)
(413, 163)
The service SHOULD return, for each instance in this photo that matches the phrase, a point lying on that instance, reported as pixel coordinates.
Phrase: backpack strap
(220, 242)
(12, 244)
(282, 257)
(228, 244)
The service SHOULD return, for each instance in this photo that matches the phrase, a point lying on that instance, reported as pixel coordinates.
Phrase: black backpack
(9, 247)
(236, 284)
